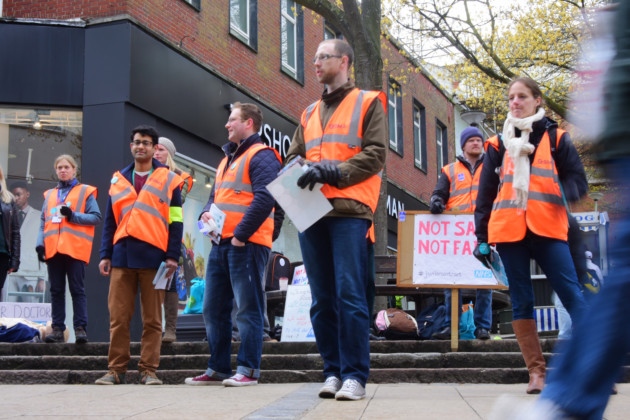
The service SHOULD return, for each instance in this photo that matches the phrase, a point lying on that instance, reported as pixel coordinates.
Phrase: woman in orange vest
(528, 174)
(164, 153)
(64, 243)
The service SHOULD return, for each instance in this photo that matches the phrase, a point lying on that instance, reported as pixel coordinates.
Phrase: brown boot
(527, 337)
(171, 303)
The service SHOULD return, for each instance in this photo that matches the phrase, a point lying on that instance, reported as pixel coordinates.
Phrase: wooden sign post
(436, 251)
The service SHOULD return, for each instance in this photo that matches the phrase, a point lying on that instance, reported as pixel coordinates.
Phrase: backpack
(278, 266)
(431, 320)
(396, 324)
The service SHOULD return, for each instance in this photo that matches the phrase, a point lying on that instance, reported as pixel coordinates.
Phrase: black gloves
(437, 205)
(41, 255)
(482, 253)
(66, 211)
(325, 173)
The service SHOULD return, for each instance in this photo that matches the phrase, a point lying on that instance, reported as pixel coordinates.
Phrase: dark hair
(146, 130)
(19, 184)
(531, 85)
(250, 111)
(343, 48)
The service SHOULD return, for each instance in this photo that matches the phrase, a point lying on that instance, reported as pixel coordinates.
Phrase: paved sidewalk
(266, 401)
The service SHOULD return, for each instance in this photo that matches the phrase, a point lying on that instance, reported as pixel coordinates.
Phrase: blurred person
(456, 190)
(9, 233)
(236, 266)
(142, 229)
(69, 215)
(343, 137)
(164, 153)
(527, 174)
(30, 266)
(587, 365)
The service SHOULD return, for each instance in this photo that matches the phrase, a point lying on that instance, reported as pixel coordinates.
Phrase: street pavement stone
(268, 401)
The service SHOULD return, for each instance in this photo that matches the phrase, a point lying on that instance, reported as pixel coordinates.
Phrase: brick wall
(204, 36)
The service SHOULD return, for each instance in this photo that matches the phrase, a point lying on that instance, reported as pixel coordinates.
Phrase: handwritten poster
(296, 324)
(437, 249)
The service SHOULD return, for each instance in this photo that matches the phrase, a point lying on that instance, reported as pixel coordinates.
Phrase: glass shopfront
(30, 140)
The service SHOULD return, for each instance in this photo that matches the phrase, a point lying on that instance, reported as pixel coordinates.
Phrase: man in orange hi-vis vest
(456, 190)
(236, 264)
(343, 138)
(143, 228)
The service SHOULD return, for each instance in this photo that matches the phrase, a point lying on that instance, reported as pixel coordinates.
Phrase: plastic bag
(467, 323)
(194, 305)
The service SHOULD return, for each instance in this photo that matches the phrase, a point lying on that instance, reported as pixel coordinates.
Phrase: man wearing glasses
(343, 138)
(142, 229)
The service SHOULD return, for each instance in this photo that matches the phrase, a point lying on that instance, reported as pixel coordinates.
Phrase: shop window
(394, 99)
(244, 22)
(419, 136)
(30, 140)
(195, 246)
(292, 39)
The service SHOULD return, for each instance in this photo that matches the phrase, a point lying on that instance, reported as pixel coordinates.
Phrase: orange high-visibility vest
(233, 195)
(144, 216)
(185, 176)
(340, 140)
(545, 215)
(464, 187)
(65, 237)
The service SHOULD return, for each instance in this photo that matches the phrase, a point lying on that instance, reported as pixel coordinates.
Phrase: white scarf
(519, 148)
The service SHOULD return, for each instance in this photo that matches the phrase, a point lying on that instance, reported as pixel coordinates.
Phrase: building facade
(78, 76)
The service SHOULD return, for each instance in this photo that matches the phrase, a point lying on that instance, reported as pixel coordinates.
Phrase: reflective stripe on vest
(144, 216)
(233, 194)
(341, 139)
(464, 187)
(545, 215)
(68, 238)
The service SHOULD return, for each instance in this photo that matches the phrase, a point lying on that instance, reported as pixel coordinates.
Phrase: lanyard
(133, 176)
(61, 197)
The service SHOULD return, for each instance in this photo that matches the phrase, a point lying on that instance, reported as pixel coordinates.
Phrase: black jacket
(567, 161)
(11, 228)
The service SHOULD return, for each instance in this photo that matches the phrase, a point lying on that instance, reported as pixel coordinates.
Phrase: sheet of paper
(161, 281)
(302, 206)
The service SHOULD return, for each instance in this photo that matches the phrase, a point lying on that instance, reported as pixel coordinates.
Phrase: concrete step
(176, 377)
(310, 361)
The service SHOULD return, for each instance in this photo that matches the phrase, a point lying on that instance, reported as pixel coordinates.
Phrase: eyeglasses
(144, 143)
(324, 57)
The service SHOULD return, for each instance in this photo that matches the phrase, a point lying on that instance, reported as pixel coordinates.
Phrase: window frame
(294, 70)
(441, 145)
(249, 36)
(395, 111)
(419, 136)
(195, 4)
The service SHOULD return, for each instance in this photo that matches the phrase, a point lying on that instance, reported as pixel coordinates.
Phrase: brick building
(77, 76)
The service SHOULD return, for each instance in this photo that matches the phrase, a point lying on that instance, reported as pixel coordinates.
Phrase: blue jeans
(335, 257)
(482, 309)
(554, 258)
(234, 274)
(587, 365)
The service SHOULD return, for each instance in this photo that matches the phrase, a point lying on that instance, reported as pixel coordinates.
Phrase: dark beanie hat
(468, 133)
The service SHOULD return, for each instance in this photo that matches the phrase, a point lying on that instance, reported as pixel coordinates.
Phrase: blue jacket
(134, 253)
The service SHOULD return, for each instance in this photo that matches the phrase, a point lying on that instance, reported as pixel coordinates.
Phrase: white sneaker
(240, 380)
(350, 390)
(330, 388)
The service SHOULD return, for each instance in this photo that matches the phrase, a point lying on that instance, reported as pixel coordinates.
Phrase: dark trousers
(59, 267)
(4, 268)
